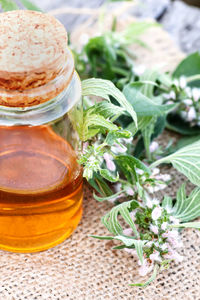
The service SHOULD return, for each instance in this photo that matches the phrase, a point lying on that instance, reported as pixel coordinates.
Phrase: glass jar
(40, 106)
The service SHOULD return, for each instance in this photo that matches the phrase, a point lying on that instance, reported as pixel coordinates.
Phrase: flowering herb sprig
(151, 231)
(131, 184)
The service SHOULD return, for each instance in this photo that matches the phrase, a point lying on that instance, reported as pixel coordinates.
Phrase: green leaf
(127, 241)
(187, 208)
(8, 5)
(185, 141)
(92, 124)
(130, 162)
(151, 279)
(167, 202)
(175, 123)
(107, 109)
(113, 135)
(99, 184)
(110, 220)
(187, 225)
(188, 67)
(30, 5)
(101, 199)
(108, 176)
(131, 33)
(186, 161)
(142, 123)
(104, 89)
(143, 105)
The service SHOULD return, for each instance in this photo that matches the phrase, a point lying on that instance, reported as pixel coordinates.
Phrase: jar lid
(35, 62)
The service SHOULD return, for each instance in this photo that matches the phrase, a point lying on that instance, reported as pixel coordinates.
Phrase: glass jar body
(40, 181)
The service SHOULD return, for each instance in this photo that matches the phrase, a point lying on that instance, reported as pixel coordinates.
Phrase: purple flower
(153, 147)
(191, 114)
(145, 268)
(154, 228)
(156, 213)
(155, 256)
(116, 148)
(109, 162)
(164, 225)
(129, 191)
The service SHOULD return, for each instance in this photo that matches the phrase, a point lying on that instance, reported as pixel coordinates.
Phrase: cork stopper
(35, 62)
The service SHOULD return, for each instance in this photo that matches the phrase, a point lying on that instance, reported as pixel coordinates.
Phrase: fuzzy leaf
(187, 225)
(108, 176)
(186, 161)
(187, 208)
(113, 135)
(107, 109)
(105, 88)
(143, 105)
(110, 220)
(129, 163)
(112, 197)
(151, 279)
(188, 67)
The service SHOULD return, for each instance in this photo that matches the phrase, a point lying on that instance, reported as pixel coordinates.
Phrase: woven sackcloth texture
(82, 268)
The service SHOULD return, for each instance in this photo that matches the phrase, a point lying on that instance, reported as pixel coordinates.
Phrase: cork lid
(35, 62)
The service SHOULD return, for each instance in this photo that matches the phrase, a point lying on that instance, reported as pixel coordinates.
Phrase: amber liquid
(40, 189)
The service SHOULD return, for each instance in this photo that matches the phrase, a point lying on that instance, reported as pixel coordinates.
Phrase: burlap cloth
(82, 268)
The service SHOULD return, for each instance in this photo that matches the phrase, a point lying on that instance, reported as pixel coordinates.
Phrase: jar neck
(46, 112)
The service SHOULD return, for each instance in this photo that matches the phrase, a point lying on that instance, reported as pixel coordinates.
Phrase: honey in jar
(40, 99)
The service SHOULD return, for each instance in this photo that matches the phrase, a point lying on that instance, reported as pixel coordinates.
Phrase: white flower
(117, 187)
(127, 141)
(116, 148)
(173, 238)
(164, 225)
(155, 171)
(188, 91)
(149, 244)
(182, 82)
(155, 201)
(188, 102)
(156, 213)
(164, 177)
(174, 220)
(154, 228)
(109, 162)
(139, 171)
(172, 95)
(169, 102)
(174, 256)
(128, 231)
(149, 202)
(191, 114)
(145, 268)
(132, 214)
(153, 146)
(176, 83)
(129, 191)
(139, 69)
(171, 234)
(164, 246)
(155, 256)
(183, 114)
(196, 94)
